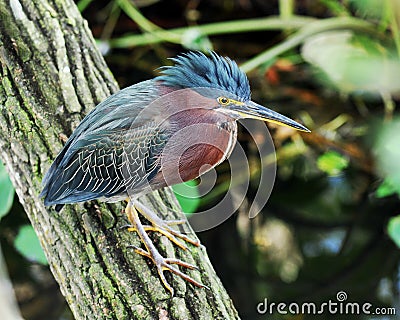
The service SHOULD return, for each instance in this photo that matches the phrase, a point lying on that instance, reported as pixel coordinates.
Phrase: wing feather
(109, 151)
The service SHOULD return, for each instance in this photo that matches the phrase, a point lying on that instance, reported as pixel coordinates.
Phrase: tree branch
(51, 75)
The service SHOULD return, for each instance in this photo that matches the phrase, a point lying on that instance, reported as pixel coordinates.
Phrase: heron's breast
(196, 148)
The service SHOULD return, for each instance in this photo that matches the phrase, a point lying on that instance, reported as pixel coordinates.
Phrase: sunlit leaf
(336, 7)
(387, 188)
(353, 63)
(193, 39)
(27, 243)
(83, 4)
(387, 154)
(332, 163)
(394, 230)
(6, 192)
(370, 8)
(188, 195)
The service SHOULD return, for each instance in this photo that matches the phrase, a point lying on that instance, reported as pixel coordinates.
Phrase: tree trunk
(51, 75)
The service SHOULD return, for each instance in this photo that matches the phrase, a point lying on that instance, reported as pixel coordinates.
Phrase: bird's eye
(223, 100)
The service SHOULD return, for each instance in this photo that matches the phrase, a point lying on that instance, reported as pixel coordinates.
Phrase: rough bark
(51, 75)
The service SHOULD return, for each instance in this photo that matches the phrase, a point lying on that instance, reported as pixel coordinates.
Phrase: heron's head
(220, 80)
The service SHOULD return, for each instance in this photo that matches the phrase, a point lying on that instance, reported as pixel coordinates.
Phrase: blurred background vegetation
(333, 221)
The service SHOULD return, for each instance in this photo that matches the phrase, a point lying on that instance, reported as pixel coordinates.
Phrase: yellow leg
(162, 264)
(170, 236)
(161, 224)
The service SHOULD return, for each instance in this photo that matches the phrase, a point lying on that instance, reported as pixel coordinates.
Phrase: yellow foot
(164, 232)
(161, 224)
(158, 225)
(165, 264)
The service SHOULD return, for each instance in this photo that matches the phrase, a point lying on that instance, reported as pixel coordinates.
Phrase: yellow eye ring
(223, 100)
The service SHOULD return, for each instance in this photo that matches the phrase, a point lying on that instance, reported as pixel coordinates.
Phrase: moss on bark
(52, 74)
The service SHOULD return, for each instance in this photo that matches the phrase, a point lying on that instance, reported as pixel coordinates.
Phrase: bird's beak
(253, 110)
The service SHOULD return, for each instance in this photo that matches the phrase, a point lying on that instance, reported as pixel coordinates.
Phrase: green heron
(152, 135)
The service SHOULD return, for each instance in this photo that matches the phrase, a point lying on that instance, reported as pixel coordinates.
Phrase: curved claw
(162, 264)
(181, 263)
(165, 264)
(140, 251)
(164, 225)
(126, 226)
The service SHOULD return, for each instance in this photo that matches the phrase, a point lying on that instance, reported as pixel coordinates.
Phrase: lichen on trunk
(51, 75)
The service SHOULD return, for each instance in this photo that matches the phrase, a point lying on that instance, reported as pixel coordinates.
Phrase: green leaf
(332, 163)
(370, 8)
(387, 188)
(193, 39)
(394, 230)
(83, 4)
(387, 153)
(336, 7)
(6, 192)
(27, 243)
(188, 196)
(354, 64)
